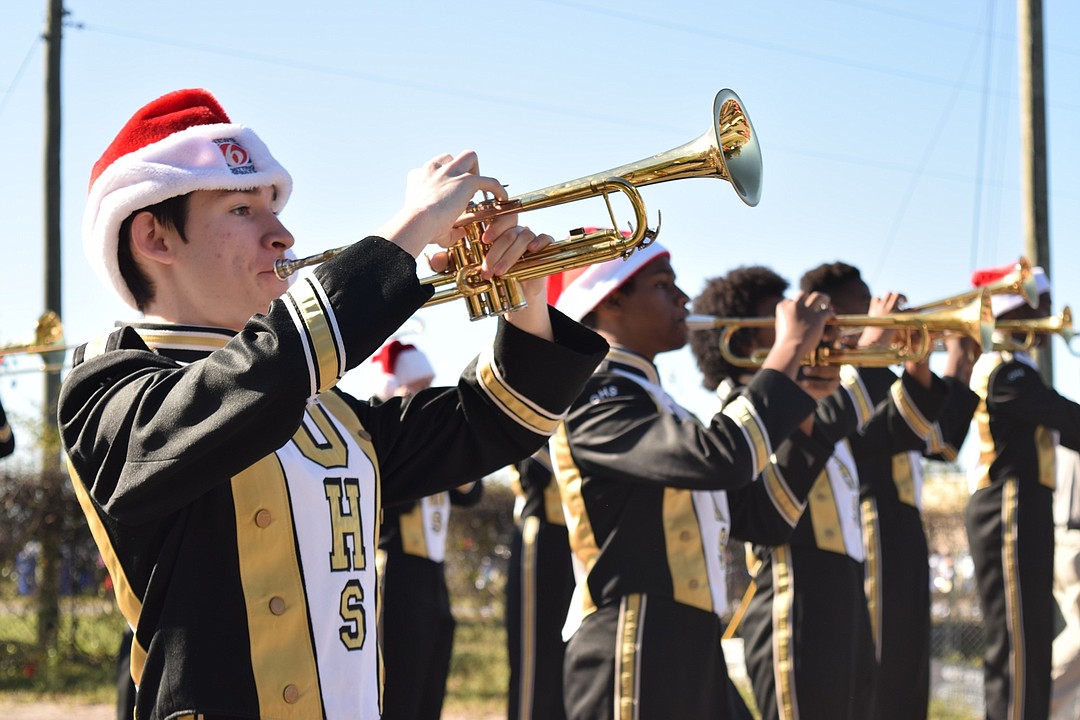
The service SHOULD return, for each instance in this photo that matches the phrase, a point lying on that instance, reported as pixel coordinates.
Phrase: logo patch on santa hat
(236, 157)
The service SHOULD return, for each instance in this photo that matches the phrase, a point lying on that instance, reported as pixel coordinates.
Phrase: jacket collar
(629, 361)
(183, 343)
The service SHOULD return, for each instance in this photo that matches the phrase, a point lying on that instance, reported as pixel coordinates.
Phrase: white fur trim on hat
(397, 365)
(1006, 302)
(202, 157)
(412, 365)
(598, 281)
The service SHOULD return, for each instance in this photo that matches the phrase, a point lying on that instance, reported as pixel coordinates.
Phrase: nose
(278, 236)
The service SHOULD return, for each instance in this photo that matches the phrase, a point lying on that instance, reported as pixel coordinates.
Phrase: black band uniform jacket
(234, 493)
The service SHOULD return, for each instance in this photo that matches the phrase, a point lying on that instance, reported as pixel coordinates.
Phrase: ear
(150, 241)
(613, 302)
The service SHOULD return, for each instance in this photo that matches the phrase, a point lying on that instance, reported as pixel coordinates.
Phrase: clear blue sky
(889, 130)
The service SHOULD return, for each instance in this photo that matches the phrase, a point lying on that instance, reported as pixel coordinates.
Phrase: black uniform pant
(1011, 534)
(417, 638)
(539, 585)
(806, 637)
(898, 598)
(125, 686)
(651, 658)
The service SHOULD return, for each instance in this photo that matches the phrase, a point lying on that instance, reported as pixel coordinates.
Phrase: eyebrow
(248, 191)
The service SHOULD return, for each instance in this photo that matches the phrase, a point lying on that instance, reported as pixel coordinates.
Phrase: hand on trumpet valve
(437, 194)
(800, 325)
(879, 306)
(803, 319)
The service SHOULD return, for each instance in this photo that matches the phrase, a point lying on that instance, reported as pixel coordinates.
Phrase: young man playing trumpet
(232, 490)
(1009, 519)
(890, 477)
(651, 495)
(805, 628)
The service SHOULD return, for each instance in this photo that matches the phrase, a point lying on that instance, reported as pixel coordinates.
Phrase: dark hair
(589, 320)
(829, 278)
(171, 213)
(736, 294)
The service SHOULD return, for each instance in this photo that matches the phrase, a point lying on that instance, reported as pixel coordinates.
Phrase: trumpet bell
(729, 150)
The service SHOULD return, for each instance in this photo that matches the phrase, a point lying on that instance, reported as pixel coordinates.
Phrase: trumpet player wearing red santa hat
(1009, 519)
(232, 488)
(644, 490)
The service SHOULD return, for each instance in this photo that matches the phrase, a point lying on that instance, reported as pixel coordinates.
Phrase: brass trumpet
(1060, 324)
(48, 337)
(974, 319)
(729, 150)
(1021, 281)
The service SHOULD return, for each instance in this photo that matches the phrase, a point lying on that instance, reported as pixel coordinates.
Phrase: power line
(980, 156)
(455, 91)
(18, 73)
(928, 152)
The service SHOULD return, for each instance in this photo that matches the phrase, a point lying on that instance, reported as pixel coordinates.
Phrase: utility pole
(1033, 171)
(52, 509)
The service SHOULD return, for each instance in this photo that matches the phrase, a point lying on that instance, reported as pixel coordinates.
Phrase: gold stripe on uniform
(935, 443)
(783, 634)
(685, 550)
(578, 526)
(413, 541)
(315, 317)
(860, 397)
(517, 406)
(181, 339)
(783, 499)
(825, 517)
(987, 448)
(1044, 450)
(553, 511)
(1014, 611)
(909, 411)
(129, 603)
(282, 653)
(742, 411)
(637, 362)
(903, 478)
(627, 669)
(874, 579)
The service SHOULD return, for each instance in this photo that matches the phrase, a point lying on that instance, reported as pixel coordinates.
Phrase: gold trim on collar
(635, 361)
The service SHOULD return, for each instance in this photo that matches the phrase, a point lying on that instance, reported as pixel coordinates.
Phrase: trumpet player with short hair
(232, 489)
(805, 628)
(1009, 519)
(890, 477)
(652, 494)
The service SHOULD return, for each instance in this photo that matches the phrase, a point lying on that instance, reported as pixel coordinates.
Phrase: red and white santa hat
(1002, 303)
(179, 143)
(396, 365)
(577, 292)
